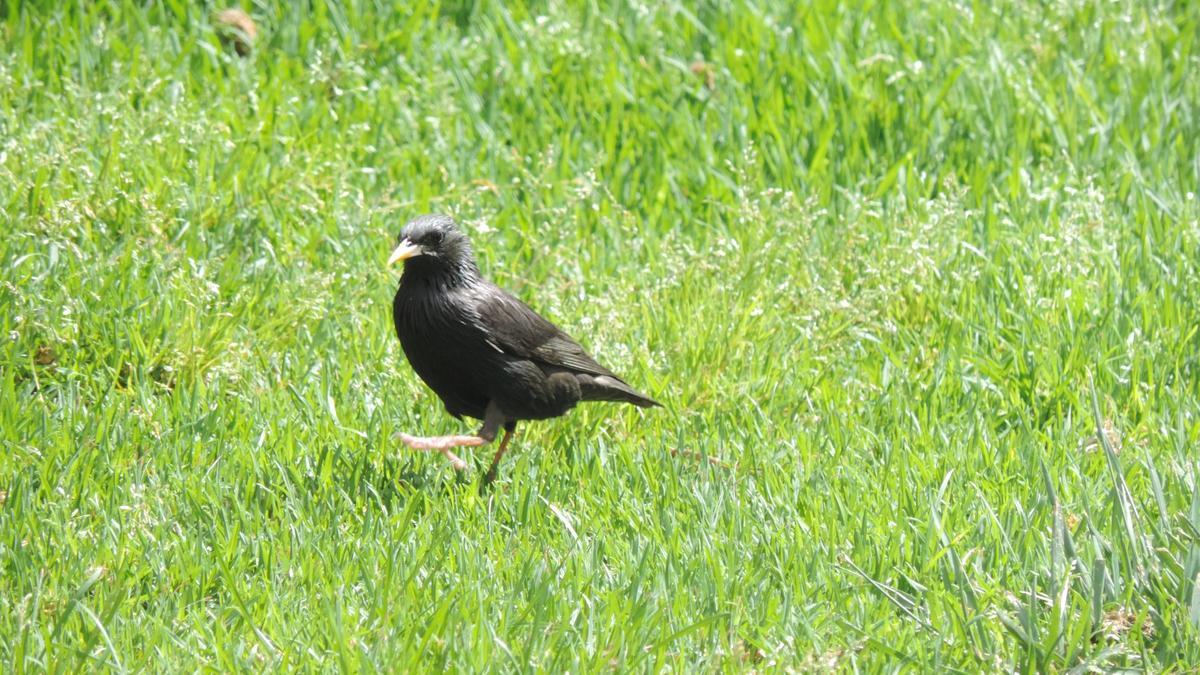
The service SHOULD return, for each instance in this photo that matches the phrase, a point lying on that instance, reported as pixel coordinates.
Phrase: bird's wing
(514, 328)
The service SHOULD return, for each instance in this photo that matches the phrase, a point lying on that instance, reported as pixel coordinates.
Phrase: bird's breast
(442, 345)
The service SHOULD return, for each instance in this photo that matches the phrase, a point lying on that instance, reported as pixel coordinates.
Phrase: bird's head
(433, 244)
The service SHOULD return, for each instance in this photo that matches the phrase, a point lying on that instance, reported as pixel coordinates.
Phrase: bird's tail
(605, 388)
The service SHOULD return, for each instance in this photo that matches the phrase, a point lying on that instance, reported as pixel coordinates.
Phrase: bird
(485, 353)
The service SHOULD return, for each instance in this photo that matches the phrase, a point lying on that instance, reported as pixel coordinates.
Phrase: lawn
(918, 283)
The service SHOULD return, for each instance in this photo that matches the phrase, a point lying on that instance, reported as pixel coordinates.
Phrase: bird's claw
(455, 461)
(430, 444)
(423, 442)
(438, 443)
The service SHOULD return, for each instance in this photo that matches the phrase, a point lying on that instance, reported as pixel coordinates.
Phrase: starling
(485, 353)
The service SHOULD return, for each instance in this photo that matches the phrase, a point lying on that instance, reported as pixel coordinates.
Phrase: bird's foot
(442, 444)
(439, 442)
(455, 461)
(488, 478)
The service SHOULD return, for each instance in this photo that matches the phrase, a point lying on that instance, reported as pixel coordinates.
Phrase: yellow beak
(404, 251)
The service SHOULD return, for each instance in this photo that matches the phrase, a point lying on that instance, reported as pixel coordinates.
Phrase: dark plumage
(485, 353)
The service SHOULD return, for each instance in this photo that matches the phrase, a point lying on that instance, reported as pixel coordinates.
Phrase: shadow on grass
(392, 480)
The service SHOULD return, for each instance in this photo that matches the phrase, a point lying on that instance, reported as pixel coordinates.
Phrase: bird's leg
(487, 433)
(443, 444)
(491, 472)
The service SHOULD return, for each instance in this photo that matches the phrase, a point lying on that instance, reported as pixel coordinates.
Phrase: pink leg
(443, 444)
(440, 442)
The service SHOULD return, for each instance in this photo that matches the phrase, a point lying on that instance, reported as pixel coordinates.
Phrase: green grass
(893, 264)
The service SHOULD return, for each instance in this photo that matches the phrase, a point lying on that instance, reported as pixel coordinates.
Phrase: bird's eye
(434, 238)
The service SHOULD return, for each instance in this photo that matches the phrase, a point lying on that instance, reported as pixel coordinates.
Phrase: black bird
(485, 353)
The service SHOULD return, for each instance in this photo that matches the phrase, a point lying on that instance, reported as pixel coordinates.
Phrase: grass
(924, 277)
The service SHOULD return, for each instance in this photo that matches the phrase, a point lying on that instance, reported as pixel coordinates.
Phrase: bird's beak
(404, 251)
